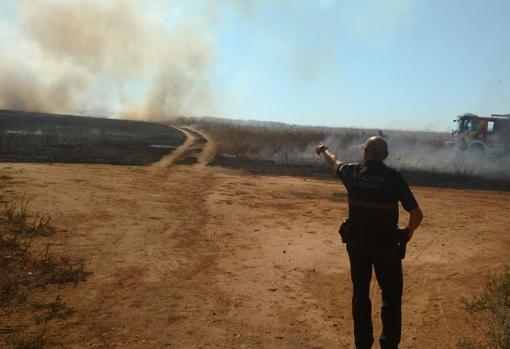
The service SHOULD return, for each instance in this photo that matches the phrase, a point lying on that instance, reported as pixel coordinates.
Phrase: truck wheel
(476, 150)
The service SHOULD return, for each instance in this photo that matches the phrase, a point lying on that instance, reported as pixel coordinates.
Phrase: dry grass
(58, 309)
(16, 215)
(35, 341)
(284, 143)
(275, 148)
(21, 269)
(25, 269)
(491, 311)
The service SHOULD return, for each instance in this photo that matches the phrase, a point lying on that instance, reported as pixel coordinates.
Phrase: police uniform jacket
(374, 191)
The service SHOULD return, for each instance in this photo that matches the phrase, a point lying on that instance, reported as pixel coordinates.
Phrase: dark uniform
(374, 191)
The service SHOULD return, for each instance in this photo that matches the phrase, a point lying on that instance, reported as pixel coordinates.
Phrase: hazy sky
(405, 64)
(411, 64)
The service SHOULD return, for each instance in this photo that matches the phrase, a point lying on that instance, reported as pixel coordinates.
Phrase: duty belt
(374, 205)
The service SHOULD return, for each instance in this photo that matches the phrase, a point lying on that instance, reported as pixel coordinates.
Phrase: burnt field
(38, 137)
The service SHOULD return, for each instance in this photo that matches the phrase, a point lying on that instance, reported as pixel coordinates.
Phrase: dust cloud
(114, 58)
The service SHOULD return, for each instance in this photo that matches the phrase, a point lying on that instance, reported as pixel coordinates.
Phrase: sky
(393, 64)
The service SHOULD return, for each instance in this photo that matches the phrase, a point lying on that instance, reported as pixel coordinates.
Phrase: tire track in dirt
(169, 159)
(199, 307)
(209, 152)
(200, 152)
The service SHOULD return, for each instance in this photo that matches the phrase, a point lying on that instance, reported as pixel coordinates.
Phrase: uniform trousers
(386, 261)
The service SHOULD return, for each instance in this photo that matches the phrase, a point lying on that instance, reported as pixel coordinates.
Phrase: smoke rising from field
(423, 152)
(101, 57)
(419, 151)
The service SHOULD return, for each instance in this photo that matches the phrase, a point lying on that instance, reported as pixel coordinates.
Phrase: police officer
(372, 237)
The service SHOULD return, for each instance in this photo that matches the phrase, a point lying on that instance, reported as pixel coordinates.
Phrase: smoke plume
(103, 57)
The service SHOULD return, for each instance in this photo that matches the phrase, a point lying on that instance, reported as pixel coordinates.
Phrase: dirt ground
(192, 256)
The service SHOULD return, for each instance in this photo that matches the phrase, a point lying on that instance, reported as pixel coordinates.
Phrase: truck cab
(482, 135)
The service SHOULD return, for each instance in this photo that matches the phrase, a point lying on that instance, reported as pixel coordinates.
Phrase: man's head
(376, 149)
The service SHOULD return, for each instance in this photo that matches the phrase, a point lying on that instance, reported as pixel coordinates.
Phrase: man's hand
(321, 149)
(329, 156)
(415, 218)
(405, 234)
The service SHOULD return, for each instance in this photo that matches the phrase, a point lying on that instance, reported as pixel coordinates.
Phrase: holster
(345, 231)
(402, 237)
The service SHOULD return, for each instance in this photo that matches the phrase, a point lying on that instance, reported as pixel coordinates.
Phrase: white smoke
(416, 151)
(103, 57)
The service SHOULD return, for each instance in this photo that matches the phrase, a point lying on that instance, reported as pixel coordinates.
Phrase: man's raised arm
(329, 156)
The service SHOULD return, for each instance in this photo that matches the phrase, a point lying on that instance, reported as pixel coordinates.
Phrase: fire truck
(481, 135)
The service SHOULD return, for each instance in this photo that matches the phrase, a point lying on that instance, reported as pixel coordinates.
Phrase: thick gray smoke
(102, 57)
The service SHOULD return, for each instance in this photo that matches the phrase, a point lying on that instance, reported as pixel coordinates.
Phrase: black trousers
(385, 259)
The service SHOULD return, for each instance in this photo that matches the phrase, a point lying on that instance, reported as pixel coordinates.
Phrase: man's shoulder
(348, 170)
(350, 167)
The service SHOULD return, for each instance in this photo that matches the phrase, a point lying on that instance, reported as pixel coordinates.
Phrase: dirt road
(190, 256)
